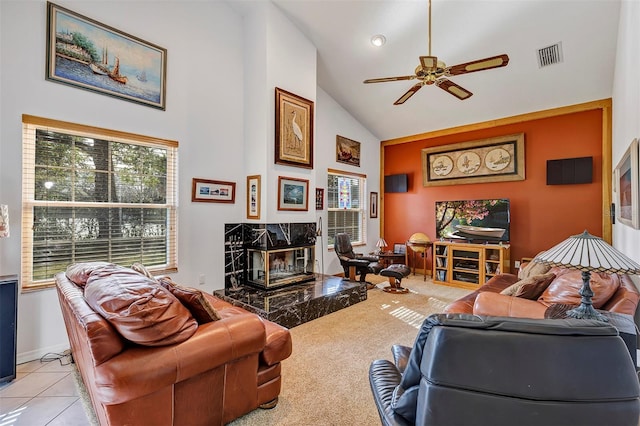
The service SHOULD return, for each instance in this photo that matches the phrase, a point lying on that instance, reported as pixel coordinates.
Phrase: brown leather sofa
(612, 292)
(170, 369)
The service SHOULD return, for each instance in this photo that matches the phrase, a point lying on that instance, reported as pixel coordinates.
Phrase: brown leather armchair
(354, 263)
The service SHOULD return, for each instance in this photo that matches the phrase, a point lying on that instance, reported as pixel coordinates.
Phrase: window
(346, 206)
(91, 194)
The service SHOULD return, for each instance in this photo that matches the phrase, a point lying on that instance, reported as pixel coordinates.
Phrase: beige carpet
(325, 381)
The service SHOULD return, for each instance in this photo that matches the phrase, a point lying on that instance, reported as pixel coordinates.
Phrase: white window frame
(30, 125)
(361, 210)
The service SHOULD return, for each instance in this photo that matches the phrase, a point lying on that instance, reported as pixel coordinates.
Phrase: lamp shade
(381, 243)
(586, 252)
(4, 221)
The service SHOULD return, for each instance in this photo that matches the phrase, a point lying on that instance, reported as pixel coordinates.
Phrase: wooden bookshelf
(468, 265)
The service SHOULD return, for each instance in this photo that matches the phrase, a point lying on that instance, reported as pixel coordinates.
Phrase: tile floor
(43, 393)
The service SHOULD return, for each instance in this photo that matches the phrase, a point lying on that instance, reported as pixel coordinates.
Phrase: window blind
(345, 205)
(93, 194)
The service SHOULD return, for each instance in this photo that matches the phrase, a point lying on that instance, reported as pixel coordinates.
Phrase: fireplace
(277, 268)
(268, 256)
(269, 271)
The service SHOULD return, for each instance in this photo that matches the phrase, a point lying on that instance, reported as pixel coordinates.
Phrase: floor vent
(550, 55)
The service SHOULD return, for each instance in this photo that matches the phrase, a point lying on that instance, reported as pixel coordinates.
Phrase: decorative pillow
(533, 268)
(193, 300)
(535, 286)
(140, 309)
(140, 268)
(78, 273)
(529, 288)
(566, 286)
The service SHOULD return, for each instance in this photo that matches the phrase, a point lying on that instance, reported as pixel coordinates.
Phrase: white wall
(626, 109)
(208, 112)
(336, 121)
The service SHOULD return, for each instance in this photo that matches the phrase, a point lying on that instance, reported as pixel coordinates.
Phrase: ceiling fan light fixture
(378, 40)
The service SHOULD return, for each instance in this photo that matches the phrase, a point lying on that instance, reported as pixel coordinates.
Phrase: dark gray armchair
(354, 263)
(471, 370)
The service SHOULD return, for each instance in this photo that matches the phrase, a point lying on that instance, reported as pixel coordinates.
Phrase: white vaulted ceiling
(462, 31)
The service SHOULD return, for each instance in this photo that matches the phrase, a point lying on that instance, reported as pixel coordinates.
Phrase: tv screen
(396, 183)
(473, 220)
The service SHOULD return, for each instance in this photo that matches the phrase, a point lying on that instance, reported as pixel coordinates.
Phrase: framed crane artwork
(294, 130)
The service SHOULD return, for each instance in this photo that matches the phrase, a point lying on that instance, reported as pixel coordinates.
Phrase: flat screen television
(474, 220)
(396, 183)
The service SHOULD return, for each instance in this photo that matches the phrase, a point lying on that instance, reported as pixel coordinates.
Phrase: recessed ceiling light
(378, 40)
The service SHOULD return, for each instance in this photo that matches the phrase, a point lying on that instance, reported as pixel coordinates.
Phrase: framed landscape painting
(626, 181)
(293, 194)
(87, 54)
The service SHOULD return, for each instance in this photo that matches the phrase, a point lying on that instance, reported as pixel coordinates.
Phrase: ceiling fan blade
(457, 91)
(382, 80)
(479, 65)
(429, 63)
(402, 99)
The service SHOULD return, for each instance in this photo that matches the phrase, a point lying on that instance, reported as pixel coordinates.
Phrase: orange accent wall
(541, 215)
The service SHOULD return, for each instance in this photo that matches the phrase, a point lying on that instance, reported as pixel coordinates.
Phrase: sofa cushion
(496, 284)
(140, 268)
(193, 300)
(533, 268)
(564, 289)
(529, 288)
(78, 273)
(141, 310)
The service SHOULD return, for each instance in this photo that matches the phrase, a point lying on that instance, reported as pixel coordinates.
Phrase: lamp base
(586, 312)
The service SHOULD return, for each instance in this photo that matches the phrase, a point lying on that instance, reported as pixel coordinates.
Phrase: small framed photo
(253, 197)
(319, 198)
(293, 194)
(347, 151)
(373, 205)
(213, 191)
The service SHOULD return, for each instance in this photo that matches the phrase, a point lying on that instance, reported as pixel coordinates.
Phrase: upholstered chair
(496, 371)
(354, 263)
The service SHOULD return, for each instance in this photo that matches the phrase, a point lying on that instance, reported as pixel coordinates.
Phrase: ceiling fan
(432, 71)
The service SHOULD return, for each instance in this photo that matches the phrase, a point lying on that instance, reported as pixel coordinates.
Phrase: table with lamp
(387, 258)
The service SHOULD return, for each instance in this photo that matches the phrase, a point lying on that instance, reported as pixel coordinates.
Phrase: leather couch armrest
(625, 299)
(140, 370)
(499, 305)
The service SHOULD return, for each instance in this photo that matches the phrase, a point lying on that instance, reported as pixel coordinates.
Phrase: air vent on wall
(550, 55)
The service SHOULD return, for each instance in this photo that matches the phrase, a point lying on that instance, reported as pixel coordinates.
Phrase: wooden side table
(425, 248)
(390, 258)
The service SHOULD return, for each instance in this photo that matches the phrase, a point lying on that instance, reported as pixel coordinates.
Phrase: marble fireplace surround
(289, 305)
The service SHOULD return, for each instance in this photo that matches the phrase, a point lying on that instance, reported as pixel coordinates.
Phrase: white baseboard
(39, 353)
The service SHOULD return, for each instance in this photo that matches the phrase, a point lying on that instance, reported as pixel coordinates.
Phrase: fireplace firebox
(269, 256)
(276, 268)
